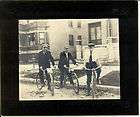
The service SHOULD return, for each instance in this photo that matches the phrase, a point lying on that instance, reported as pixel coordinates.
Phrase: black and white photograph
(69, 59)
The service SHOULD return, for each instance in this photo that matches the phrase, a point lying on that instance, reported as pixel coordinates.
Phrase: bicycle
(40, 84)
(75, 84)
(94, 81)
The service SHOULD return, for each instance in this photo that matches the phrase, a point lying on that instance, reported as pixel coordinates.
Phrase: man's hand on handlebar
(76, 64)
(93, 69)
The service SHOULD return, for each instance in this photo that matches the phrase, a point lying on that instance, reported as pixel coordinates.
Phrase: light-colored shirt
(66, 54)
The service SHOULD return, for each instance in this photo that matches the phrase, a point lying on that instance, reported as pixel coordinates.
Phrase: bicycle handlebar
(90, 69)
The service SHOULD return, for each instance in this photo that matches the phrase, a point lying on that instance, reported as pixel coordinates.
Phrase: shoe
(41, 95)
(61, 85)
(71, 82)
(49, 88)
(88, 94)
(43, 84)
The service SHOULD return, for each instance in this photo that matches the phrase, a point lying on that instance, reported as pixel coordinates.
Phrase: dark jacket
(64, 60)
(91, 65)
(45, 59)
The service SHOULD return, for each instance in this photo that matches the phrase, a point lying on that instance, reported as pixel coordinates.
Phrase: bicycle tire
(94, 81)
(76, 83)
(38, 82)
(52, 85)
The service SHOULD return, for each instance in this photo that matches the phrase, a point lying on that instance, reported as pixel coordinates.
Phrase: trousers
(42, 77)
(65, 72)
(89, 78)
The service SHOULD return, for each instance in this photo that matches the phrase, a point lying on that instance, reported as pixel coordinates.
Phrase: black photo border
(127, 12)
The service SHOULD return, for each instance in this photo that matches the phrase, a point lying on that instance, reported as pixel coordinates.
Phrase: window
(79, 24)
(114, 40)
(70, 24)
(23, 40)
(31, 39)
(79, 37)
(71, 40)
(95, 33)
(41, 37)
(79, 40)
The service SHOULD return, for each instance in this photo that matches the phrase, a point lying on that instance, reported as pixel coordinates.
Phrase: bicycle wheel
(65, 81)
(75, 83)
(52, 85)
(38, 82)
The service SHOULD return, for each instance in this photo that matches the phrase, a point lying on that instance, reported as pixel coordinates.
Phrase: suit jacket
(45, 59)
(64, 60)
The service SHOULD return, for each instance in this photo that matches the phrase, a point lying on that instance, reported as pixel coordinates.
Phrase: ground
(28, 89)
(30, 92)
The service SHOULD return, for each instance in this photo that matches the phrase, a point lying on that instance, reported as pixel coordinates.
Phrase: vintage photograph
(69, 59)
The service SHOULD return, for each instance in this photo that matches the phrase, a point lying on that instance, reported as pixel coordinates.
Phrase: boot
(88, 92)
(71, 82)
(61, 85)
(49, 87)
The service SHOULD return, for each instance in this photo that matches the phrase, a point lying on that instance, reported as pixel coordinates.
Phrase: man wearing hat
(44, 59)
(64, 63)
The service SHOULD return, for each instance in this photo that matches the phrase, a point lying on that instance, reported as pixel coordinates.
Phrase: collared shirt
(44, 53)
(66, 55)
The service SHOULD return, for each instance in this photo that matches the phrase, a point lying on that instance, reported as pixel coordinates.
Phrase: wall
(105, 53)
(58, 34)
(108, 51)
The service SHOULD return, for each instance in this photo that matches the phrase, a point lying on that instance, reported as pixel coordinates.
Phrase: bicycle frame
(52, 79)
(71, 71)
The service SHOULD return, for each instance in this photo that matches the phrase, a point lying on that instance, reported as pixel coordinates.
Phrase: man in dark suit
(44, 59)
(64, 63)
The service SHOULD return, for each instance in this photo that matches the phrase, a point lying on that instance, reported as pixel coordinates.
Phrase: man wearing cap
(63, 65)
(44, 59)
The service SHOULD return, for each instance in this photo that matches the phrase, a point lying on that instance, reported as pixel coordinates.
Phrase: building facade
(73, 33)
(104, 33)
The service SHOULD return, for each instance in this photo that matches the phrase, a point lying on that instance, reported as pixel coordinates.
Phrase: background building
(104, 33)
(75, 33)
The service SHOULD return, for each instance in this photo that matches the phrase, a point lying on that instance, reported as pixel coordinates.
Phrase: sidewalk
(106, 70)
(82, 85)
(105, 80)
